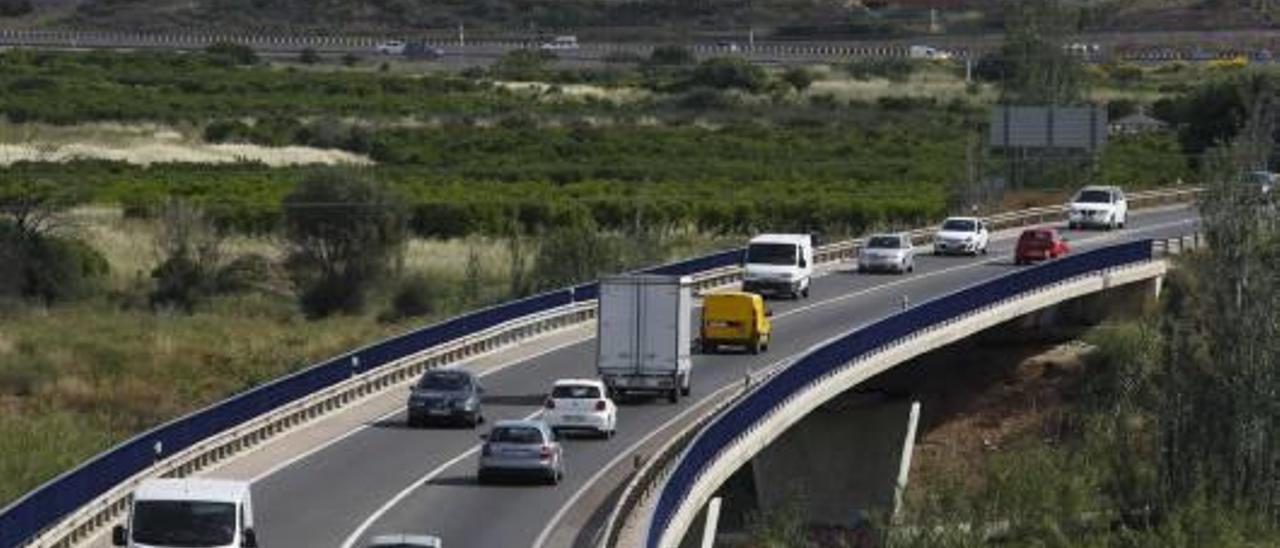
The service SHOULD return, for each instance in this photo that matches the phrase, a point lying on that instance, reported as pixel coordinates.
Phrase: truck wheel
(688, 386)
(754, 347)
(674, 395)
(805, 292)
(708, 348)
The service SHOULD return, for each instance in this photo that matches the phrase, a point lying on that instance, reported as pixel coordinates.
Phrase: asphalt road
(393, 479)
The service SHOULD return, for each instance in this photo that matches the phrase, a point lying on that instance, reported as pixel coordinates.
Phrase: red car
(1039, 243)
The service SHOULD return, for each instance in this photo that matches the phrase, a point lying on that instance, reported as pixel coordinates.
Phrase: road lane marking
(367, 425)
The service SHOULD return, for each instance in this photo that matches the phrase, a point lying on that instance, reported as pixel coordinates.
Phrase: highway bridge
(348, 475)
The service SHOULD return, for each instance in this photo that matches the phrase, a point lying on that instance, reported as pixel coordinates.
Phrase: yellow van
(735, 318)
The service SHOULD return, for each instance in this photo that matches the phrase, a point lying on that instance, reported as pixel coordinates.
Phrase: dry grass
(146, 144)
(934, 83)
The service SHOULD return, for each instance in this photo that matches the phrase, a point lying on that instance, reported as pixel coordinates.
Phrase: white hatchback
(581, 404)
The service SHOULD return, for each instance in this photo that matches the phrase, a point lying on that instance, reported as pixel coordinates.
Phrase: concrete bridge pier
(843, 463)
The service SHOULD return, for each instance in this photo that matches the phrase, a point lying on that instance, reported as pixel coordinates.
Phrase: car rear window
(444, 380)
(959, 225)
(575, 391)
(885, 242)
(516, 434)
(1040, 235)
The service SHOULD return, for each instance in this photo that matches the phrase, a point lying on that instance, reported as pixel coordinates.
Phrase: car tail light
(551, 404)
(600, 405)
(545, 453)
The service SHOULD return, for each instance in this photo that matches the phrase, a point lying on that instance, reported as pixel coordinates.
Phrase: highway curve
(393, 479)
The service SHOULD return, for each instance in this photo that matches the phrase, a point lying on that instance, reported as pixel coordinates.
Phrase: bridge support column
(844, 462)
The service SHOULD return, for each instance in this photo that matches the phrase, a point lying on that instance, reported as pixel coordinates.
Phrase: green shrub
(308, 57)
(729, 73)
(671, 55)
(892, 69)
(419, 295)
(231, 54)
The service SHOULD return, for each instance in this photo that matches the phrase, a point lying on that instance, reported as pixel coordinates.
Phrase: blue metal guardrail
(790, 382)
(57, 498)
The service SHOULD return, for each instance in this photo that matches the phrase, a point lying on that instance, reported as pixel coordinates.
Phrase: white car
(561, 43)
(581, 404)
(405, 541)
(887, 252)
(390, 47)
(1098, 206)
(962, 235)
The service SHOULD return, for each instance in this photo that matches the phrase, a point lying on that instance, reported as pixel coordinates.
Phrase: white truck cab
(188, 513)
(778, 264)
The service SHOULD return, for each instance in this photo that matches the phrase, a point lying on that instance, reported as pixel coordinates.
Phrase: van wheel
(754, 347)
(805, 292)
(674, 395)
(708, 348)
(687, 388)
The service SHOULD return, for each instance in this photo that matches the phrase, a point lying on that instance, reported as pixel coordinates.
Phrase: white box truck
(183, 513)
(643, 338)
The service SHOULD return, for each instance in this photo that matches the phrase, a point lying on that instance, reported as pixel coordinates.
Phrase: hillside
(622, 19)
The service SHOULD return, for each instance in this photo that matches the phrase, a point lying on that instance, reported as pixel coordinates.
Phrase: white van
(186, 513)
(778, 264)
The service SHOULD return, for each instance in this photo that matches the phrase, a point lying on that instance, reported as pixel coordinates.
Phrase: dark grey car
(446, 396)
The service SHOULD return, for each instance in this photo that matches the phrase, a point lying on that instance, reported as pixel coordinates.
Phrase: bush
(308, 57)
(894, 70)
(523, 64)
(729, 73)
(49, 269)
(419, 295)
(245, 273)
(799, 78)
(231, 54)
(671, 55)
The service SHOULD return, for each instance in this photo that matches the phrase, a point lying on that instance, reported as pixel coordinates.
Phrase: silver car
(527, 448)
(887, 253)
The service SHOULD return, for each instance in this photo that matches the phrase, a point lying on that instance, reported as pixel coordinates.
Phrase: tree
(345, 234)
(1221, 330)
(15, 8)
(191, 248)
(35, 261)
(1037, 70)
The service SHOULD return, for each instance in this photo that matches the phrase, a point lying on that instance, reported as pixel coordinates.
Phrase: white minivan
(778, 264)
(188, 513)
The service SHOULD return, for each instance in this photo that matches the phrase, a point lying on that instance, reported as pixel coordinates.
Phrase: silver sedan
(887, 253)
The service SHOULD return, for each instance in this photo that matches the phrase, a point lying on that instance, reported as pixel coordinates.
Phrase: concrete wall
(841, 463)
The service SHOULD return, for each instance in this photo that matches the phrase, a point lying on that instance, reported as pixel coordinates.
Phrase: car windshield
(575, 391)
(444, 381)
(959, 225)
(885, 242)
(1094, 197)
(516, 434)
(783, 254)
(184, 523)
